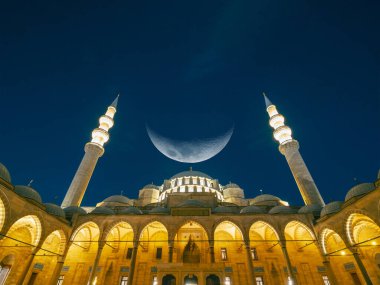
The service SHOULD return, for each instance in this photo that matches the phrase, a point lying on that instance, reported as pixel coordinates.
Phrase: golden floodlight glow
(342, 252)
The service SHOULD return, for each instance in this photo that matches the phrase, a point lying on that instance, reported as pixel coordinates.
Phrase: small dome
(117, 199)
(359, 190)
(191, 203)
(55, 210)
(265, 200)
(159, 210)
(313, 209)
(331, 208)
(71, 210)
(190, 173)
(4, 173)
(231, 185)
(282, 210)
(28, 193)
(150, 186)
(252, 210)
(102, 211)
(225, 209)
(130, 211)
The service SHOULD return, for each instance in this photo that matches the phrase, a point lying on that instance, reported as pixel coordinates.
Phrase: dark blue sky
(62, 63)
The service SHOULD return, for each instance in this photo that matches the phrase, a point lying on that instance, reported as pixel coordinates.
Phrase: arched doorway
(168, 280)
(191, 279)
(212, 280)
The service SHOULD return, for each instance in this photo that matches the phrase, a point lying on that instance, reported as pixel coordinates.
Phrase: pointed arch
(55, 242)
(362, 229)
(27, 229)
(4, 210)
(332, 242)
(263, 230)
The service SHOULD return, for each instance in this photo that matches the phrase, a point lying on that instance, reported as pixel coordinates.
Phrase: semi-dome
(4, 173)
(226, 210)
(102, 211)
(252, 210)
(71, 210)
(190, 173)
(282, 210)
(159, 210)
(231, 185)
(313, 209)
(359, 190)
(150, 186)
(54, 209)
(28, 193)
(131, 211)
(117, 199)
(266, 200)
(192, 203)
(331, 208)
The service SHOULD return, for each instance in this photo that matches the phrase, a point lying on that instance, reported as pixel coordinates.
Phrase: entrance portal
(212, 280)
(168, 280)
(191, 280)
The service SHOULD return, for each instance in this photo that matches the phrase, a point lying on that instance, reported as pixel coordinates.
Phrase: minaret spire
(93, 150)
(289, 147)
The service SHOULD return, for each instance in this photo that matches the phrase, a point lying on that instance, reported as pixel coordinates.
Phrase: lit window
(259, 280)
(60, 280)
(129, 253)
(159, 253)
(187, 180)
(199, 189)
(155, 281)
(182, 189)
(191, 189)
(223, 252)
(124, 280)
(326, 280)
(227, 280)
(254, 253)
(202, 182)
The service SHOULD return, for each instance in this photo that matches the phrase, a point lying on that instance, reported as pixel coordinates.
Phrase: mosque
(191, 230)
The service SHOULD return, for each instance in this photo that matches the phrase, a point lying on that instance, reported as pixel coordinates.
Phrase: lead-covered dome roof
(4, 173)
(359, 190)
(226, 210)
(71, 210)
(28, 193)
(55, 210)
(252, 209)
(159, 210)
(117, 199)
(266, 200)
(102, 211)
(190, 173)
(130, 211)
(331, 208)
(231, 185)
(282, 210)
(313, 209)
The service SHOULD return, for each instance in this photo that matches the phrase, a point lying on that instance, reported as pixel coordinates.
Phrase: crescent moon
(190, 151)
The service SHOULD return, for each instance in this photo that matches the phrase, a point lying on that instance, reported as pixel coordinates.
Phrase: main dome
(190, 173)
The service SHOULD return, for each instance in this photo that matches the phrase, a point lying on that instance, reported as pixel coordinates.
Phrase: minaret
(93, 150)
(289, 147)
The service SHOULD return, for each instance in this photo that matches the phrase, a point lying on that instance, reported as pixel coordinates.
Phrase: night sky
(179, 65)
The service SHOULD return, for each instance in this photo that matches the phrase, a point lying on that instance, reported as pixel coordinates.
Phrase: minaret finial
(267, 101)
(114, 103)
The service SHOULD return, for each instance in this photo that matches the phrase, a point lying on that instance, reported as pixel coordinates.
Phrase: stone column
(251, 269)
(24, 277)
(330, 272)
(305, 182)
(133, 262)
(288, 263)
(170, 245)
(59, 265)
(361, 267)
(96, 262)
(212, 252)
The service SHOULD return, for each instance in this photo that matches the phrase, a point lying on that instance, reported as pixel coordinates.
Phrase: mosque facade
(191, 230)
